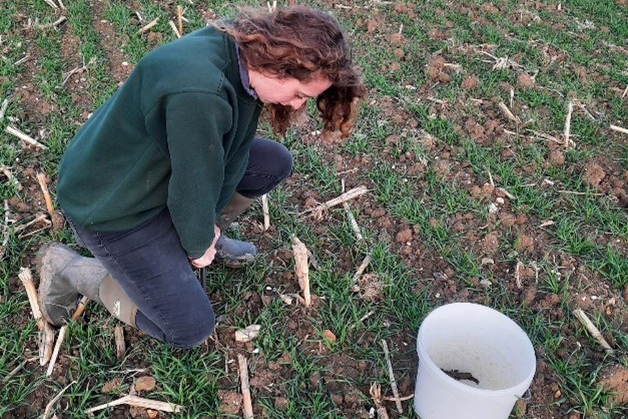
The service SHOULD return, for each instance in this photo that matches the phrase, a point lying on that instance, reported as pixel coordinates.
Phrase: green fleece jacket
(176, 134)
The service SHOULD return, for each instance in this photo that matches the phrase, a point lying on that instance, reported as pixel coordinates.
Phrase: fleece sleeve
(196, 123)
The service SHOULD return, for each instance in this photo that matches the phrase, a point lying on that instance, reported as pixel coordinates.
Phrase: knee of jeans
(193, 333)
(283, 162)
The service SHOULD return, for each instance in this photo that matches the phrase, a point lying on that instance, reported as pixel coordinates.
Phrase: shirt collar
(244, 75)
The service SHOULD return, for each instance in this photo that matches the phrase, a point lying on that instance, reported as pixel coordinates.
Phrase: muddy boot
(231, 252)
(64, 275)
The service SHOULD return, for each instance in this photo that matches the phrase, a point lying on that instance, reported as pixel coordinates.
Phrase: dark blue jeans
(153, 269)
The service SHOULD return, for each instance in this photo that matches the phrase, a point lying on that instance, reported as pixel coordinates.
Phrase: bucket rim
(457, 384)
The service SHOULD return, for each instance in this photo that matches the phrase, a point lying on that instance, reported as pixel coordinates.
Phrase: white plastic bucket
(475, 339)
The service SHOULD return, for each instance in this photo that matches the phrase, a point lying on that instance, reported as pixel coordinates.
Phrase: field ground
(465, 203)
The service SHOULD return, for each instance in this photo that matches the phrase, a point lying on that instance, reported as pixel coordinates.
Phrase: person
(150, 182)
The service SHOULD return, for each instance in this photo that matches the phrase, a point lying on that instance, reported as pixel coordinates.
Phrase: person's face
(286, 91)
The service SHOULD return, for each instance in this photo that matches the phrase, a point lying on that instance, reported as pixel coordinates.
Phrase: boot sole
(44, 280)
(235, 263)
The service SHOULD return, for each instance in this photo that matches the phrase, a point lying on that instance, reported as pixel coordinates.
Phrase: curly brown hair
(302, 43)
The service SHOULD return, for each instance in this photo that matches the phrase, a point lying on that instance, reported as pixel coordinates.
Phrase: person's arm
(196, 123)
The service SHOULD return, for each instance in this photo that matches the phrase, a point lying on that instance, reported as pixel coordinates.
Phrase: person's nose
(297, 103)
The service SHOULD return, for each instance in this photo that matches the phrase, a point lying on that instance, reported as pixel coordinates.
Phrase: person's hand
(210, 253)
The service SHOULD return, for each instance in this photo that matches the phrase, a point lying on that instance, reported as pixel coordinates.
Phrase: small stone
(286, 298)
(329, 335)
(247, 334)
(500, 201)
(145, 383)
(492, 208)
(486, 283)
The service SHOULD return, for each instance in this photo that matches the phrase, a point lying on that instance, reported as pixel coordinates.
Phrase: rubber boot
(64, 275)
(231, 252)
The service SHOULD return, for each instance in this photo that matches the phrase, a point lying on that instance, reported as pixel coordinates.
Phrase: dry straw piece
(5, 229)
(118, 334)
(508, 113)
(148, 26)
(80, 308)
(358, 273)
(51, 404)
(301, 268)
(567, 131)
(180, 19)
(518, 275)
(43, 184)
(138, 402)
(52, 4)
(55, 352)
(376, 395)
(347, 196)
(25, 138)
(391, 375)
(619, 129)
(174, 28)
(27, 280)
(3, 108)
(247, 405)
(17, 369)
(595, 332)
(266, 212)
(354, 224)
(46, 344)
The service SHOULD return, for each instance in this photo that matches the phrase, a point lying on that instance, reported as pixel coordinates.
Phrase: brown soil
(525, 80)
(489, 8)
(230, 402)
(556, 157)
(119, 68)
(435, 69)
(470, 82)
(615, 381)
(369, 287)
(593, 174)
(112, 385)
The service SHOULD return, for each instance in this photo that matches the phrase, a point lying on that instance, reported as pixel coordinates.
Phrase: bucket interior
(481, 347)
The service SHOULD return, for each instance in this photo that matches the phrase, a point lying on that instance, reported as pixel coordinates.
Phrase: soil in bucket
(473, 363)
